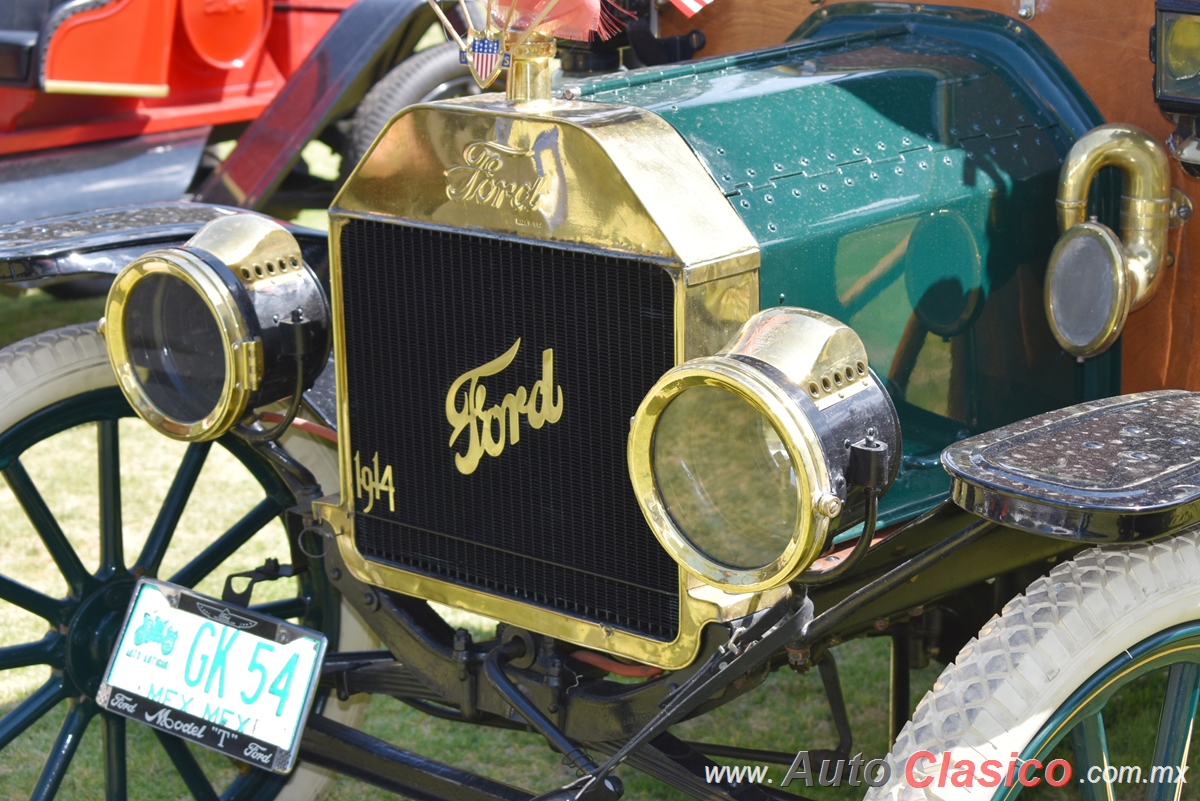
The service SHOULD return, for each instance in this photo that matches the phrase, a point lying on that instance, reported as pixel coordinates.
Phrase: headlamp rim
(237, 339)
(798, 436)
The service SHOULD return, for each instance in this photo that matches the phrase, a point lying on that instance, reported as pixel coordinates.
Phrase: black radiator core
(551, 520)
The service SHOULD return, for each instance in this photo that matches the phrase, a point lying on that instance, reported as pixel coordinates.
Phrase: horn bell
(1123, 275)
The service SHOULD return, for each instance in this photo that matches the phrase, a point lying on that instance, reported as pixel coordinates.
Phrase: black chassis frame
(947, 556)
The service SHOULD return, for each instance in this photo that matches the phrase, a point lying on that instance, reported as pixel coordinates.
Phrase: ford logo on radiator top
(485, 178)
(489, 429)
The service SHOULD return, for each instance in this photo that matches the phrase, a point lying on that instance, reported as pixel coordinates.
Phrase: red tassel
(569, 19)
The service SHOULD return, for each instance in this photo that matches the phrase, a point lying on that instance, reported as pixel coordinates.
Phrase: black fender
(102, 242)
(368, 38)
(55, 249)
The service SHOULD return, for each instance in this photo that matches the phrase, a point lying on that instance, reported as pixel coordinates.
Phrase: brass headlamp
(200, 334)
(741, 460)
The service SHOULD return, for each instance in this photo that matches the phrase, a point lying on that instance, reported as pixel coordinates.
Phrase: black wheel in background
(88, 286)
(433, 74)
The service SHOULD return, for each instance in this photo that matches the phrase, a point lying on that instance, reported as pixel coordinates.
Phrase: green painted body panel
(899, 170)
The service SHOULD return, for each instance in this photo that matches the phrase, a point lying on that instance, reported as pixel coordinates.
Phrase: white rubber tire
(60, 364)
(1028, 660)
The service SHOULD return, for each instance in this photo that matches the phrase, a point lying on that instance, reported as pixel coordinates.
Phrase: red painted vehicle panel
(106, 69)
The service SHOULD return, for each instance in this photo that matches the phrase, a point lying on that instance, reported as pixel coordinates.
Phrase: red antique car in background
(147, 66)
(120, 103)
(109, 102)
(112, 102)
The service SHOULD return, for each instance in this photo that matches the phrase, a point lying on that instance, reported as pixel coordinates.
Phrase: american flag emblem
(690, 7)
(485, 58)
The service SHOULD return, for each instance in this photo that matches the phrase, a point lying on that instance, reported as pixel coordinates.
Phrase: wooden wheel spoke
(1175, 726)
(46, 526)
(41, 652)
(211, 557)
(29, 599)
(115, 779)
(1091, 751)
(189, 770)
(173, 505)
(63, 750)
(31, 710)
(112, 551)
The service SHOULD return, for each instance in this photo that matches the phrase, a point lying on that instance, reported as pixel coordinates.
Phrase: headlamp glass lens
(175, 348)
(726, 477)
(1182, 45)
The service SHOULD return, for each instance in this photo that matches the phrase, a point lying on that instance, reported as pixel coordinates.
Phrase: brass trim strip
(55, 86)
(667, 655)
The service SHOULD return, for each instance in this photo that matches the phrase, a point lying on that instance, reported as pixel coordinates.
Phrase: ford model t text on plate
(678, 377)
(241, 683)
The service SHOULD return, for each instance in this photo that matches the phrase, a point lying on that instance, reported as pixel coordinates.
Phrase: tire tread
(75, 353)
(995, 685)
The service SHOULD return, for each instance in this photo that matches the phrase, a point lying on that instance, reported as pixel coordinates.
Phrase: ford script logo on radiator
(485, 180)
(489, 429)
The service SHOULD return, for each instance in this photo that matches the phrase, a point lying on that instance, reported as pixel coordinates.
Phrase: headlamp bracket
(248, 352)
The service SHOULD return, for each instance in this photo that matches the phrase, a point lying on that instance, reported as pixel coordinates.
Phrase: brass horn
(1096, 278)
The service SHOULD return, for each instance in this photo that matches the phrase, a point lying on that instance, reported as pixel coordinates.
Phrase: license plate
(214, 674)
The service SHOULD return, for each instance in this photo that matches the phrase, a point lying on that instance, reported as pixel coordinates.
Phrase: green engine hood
(899, 169)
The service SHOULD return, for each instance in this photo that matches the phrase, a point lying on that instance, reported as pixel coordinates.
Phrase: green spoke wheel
(1080, 721)
(1096, 667)
(66, 575)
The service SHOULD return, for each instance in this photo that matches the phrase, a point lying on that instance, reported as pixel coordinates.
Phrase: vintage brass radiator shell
(606, 190)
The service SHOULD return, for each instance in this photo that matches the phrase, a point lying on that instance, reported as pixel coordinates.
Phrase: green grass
(33, 311)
